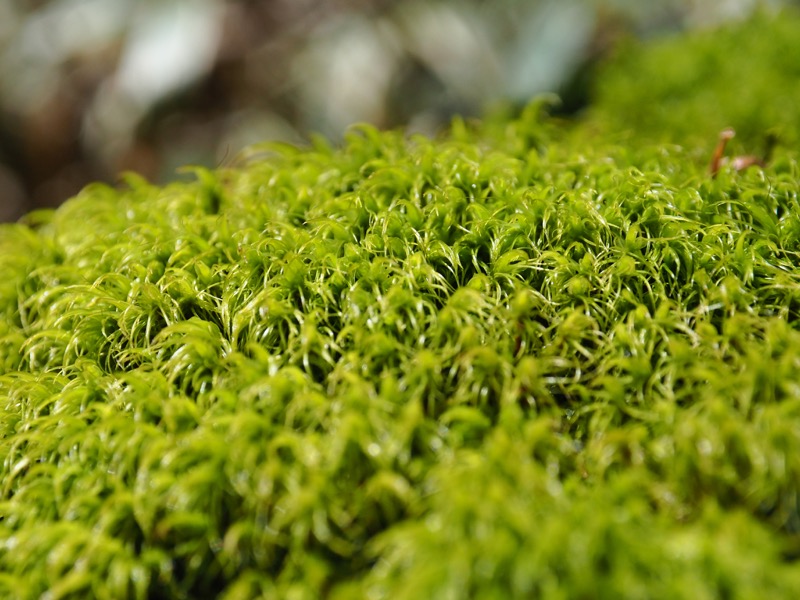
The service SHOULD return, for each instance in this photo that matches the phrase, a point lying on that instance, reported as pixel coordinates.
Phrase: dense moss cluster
(503, 363)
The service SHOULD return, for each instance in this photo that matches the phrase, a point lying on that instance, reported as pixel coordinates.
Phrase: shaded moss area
(503, 363)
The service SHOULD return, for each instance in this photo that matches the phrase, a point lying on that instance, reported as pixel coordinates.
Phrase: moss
(687, 88)
(519, 360)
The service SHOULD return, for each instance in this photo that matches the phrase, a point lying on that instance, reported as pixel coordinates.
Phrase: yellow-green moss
(517, 361)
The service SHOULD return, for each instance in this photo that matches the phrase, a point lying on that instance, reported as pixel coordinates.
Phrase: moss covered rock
(521, 360)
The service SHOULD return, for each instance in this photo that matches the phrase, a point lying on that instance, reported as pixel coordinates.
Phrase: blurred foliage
(744, 75)
(91, 88)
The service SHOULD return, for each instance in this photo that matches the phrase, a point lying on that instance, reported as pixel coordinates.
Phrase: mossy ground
(522, 360)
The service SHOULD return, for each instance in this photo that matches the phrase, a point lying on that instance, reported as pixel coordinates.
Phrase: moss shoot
(524, 359)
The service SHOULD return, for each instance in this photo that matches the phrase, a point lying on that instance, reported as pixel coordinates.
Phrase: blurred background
(90, 88)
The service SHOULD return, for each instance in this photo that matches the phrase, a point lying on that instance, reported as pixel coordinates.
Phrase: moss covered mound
(504, 363)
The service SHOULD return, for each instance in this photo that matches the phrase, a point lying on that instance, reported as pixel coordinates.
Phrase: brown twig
(739, 163)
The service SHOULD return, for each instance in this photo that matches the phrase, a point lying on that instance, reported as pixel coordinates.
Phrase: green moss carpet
(527, 359)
